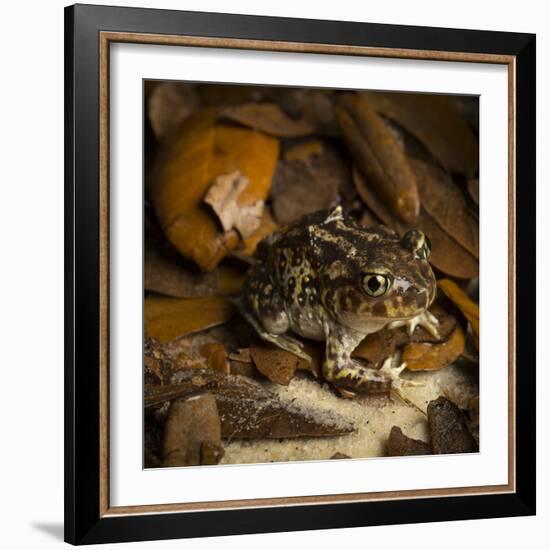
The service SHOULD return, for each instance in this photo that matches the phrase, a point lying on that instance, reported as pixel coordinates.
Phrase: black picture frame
(84, 524)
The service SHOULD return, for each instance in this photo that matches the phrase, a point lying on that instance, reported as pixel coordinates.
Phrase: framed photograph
(300, 280)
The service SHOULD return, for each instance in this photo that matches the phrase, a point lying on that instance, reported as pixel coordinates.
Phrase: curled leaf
(422, 356)
(379, 156)
(380, 345)
(223, 196)
(170, 318)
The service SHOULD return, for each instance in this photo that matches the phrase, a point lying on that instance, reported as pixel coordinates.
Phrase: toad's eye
(375, 284)
(424, 251)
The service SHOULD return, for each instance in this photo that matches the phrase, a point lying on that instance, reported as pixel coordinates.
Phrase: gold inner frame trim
(105, 39)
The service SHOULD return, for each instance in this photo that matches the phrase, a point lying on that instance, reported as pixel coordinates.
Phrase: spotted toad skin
(327, 278)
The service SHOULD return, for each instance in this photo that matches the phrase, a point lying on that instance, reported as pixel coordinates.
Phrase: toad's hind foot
(290, 344)
(283, 341)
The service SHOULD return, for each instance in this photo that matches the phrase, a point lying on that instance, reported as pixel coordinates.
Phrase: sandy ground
(373, 417)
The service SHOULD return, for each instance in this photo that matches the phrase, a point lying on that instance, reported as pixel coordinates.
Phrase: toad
(328, 278)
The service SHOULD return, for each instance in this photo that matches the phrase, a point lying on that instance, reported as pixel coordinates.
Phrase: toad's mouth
(368, 324)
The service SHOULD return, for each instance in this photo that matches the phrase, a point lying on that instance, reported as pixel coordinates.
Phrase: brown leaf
(223, 196)
(231, 94)
(201, 151)
(401, 445)
(423, 356)
(469, 309)
(267, 118)
(275, 363)
(314, 106)
(216, 356)
(247, 409)
(447, 255)
(371, 199)
(446, 204)
(170, 103)
(448, 428)
(379, 156)
(166, 272)
(435, 121)
(192, 432)
(307, 179)
(170, 318)
(377, 346)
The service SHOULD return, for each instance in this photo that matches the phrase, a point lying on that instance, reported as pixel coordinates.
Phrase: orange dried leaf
(422, 356)
(469, 309)
(169, 318)
(185, 169)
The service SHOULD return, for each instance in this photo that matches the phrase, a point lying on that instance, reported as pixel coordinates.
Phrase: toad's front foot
(425, 319)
